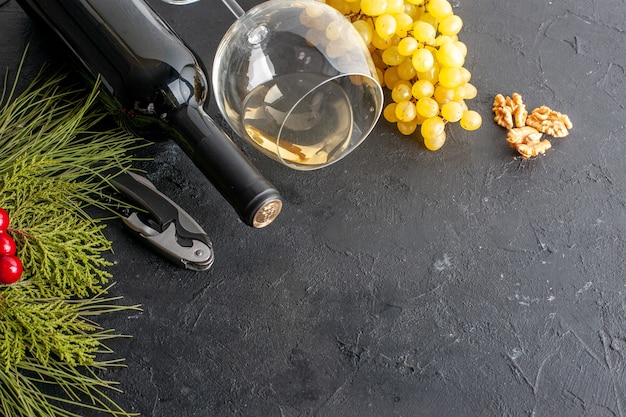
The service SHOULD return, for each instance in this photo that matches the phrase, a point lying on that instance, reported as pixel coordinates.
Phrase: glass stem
(234, 7)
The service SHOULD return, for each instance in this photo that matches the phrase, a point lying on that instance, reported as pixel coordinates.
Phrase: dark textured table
(402, 282)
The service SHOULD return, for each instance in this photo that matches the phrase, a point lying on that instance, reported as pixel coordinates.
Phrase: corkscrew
(164, 225)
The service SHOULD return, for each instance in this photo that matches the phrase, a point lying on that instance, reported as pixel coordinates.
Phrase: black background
(398, 281)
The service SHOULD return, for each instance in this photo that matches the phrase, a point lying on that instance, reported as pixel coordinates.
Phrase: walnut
(503, 112)
(533, 149)
(549, 122)
(523, 135)
(525, 131)
(509, 112)
(527, 141)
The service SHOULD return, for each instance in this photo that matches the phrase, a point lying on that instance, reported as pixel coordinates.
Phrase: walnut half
(549, 122)
(524, 134)
(509, 111)
(527, 141)
(528, 150)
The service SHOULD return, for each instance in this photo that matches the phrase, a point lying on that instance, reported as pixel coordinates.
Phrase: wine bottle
(159, 85)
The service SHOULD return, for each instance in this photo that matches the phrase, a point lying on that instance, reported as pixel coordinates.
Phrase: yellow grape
(395, 6)
(406, 70)
(385, 25)
(430, 19)
(314, 10)
(373, 7)
(383, 44)
(389, 112)
(338, 47)
(461, 47)
(459, 92)
(419, 119)
(424, 32)
(431, 75)
(439, 9)
(377, 57)
(470, 91)
(471, 120)
(450, 25)
(422, 88)
(427, 107)
(404, 23)
(365, 30)
(380, 76)
(466, 75)
(412, 10)
(443, 94)
(441, 39)
(450, 77)
(407, 46)
(401, 91)
(405, 111)
(305, 20)
(415, 2)
(423, 60)
(449, 55)
(342, 5)
(407, 128)
(434, 143)
(452, 111)
(433, 126)
(333, 30)
(392, 57)
(391, 77)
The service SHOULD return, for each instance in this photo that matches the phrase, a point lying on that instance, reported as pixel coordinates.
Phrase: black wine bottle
(160, 85)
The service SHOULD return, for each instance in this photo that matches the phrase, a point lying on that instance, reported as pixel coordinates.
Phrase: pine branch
(55, 156)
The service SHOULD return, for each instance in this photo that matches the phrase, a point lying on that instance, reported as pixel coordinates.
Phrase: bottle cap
(267, 213)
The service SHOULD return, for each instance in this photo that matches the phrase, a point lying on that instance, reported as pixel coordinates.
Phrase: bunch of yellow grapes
(419, 58)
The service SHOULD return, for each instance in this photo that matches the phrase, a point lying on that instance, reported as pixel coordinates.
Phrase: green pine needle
(54, 158)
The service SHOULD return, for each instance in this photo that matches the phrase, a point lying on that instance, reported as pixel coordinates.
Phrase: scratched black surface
(401, 282)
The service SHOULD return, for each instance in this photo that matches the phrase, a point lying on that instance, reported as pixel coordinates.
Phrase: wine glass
(296, 80)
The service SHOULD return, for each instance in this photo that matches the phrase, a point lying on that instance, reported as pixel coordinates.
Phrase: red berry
(7, 244)
(4, 220)
(10, 269)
